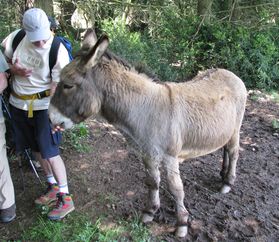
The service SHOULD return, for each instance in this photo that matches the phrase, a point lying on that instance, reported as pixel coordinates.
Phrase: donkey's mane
(109, 55)
(120, 61)
(138, 68)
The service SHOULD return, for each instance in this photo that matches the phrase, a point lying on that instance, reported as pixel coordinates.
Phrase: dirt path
(109, 180)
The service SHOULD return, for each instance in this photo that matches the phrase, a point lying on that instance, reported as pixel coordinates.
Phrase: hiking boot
(64, 205)
(7, 215)
(49, 196)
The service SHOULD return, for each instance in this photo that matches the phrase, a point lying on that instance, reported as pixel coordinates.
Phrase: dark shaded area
(109, 181)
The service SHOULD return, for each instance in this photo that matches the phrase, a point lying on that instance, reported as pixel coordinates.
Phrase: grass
(274, 96)
(78, 227)
(271, 95)
(76, 138)
(275, 124)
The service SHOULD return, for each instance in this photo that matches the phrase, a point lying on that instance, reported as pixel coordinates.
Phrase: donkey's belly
(186, 154)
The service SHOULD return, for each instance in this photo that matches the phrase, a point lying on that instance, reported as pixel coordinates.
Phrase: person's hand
(18, 70)
(56, 128)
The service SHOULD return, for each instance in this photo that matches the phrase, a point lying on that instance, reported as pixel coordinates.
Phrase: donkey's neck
(128, 96)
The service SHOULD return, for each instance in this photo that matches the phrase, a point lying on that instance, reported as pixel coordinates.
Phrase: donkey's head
(77, 96)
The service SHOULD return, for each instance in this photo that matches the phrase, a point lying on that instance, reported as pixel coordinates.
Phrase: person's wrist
(11, 69)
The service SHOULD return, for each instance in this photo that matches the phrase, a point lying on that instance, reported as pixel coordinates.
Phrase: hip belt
(32, 97)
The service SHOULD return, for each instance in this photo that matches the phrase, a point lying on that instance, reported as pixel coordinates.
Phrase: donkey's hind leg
(152, 181)
(232, 148)
(176, 188)
(225, 164)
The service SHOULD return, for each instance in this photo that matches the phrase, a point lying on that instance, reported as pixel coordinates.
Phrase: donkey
(170, 122)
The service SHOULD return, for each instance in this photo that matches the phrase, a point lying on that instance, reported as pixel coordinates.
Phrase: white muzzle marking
(58, 119)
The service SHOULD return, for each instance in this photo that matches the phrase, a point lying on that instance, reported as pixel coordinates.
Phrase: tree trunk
(234, 10)
(64, 12)
(229, 9)
(204, 9)
(46, 5)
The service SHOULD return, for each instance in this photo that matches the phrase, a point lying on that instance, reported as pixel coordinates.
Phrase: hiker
(32, 85)
(7, 194)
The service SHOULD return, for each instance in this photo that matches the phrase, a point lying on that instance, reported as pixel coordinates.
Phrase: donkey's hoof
(225, 189)
(181, 231)
(147, 218)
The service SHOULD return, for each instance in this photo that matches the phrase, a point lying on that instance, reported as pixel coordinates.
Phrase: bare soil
(109, 180)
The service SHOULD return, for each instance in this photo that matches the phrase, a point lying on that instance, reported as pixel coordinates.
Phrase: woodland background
(173, 39)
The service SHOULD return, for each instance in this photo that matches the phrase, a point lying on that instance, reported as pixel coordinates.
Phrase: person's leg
(26, 136)
(50, 195)
(65, 204)
(49, 149)
(7, 195)
(46, 167)
(59, 170)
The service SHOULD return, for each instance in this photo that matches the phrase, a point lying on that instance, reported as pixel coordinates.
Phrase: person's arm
(53, 86)
(62, 60)
(3, 82)
(15, 68)
(3, 75)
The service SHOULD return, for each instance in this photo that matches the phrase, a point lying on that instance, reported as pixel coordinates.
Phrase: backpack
(53, 49)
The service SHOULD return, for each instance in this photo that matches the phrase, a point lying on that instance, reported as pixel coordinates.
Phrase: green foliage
(76, 137)
(179, 47)
(126, 44)
(252, 55)
(79, 228)
(169, 38)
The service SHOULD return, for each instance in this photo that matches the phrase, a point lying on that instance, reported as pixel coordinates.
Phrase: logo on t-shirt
(31, 61)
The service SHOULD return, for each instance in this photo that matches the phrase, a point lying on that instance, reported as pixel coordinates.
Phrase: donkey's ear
(89, 39)
(96, 52)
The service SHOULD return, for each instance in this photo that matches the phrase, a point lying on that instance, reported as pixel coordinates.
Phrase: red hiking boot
(49, 196)
(64, 205)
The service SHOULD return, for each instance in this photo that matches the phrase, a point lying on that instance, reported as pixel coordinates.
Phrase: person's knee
(54, 159)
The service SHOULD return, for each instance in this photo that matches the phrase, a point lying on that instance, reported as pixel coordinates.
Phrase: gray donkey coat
(170, 122)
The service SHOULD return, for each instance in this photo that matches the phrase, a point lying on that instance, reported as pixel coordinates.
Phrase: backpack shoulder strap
(18, 37)
(53, 52)
(67, 45)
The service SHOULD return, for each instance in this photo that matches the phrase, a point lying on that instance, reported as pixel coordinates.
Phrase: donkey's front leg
(176, 188)
(152, 181)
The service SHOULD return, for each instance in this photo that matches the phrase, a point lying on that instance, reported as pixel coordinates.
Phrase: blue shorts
(34, 133)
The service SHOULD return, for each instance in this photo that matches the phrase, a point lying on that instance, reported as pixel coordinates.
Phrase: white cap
(36, 25)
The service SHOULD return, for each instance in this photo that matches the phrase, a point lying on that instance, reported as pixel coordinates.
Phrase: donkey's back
(207, 112)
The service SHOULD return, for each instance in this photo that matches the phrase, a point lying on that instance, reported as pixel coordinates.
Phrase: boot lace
(59, 201)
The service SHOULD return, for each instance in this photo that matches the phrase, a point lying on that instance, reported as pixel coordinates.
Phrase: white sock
(64, 188)
(51, 179)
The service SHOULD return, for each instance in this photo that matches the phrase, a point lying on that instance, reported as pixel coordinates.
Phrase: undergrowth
(78, 227)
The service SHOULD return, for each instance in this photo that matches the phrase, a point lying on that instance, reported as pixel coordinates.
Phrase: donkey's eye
(66, 86)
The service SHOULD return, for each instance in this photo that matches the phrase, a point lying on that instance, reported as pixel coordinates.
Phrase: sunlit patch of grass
(275, 124)
(45, 230)
(257, 95)
(254, 97)
(275, 96)
(78, 227)
(137, 231)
